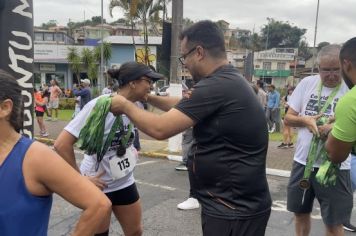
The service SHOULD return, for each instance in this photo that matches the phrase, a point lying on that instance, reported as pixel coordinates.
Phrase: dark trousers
(212, 226)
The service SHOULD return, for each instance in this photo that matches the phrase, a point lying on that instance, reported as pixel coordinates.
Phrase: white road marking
(156, 185)
(281, 206)
(146, 162)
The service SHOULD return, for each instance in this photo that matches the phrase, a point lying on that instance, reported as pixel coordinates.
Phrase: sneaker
(349, 227)
(189, 204)
(181, 167)
(45, 134)
(282, 145)
(290, 145)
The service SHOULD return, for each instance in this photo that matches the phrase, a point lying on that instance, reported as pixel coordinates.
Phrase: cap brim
(154, 76)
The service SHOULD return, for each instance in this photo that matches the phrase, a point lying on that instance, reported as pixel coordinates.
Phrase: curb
(153, 154)
(47, 141)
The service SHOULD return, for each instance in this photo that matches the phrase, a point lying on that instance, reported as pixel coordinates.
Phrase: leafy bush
(67, 103)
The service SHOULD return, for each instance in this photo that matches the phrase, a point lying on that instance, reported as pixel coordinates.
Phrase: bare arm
(64, 147)
(160, 126)
(165, 103)
(294, 120)
(46, 172)
(337, 150)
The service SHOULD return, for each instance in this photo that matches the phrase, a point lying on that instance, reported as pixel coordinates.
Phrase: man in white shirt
(315, 96)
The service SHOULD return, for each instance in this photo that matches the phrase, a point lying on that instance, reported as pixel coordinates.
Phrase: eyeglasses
(182, 58)
(148, 81)
(329, 71)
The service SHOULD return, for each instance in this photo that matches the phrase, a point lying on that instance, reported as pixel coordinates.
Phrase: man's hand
(118, 104)
(188, 93)
(324, 130)
(310, 123)
(97, 181)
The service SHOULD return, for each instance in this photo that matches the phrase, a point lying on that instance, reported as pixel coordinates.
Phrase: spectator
(83, 92)
(262, 95)
(108, 89)
(40, 104)
(272, 111)
(287, 130)
(187, 143)
(53, 104)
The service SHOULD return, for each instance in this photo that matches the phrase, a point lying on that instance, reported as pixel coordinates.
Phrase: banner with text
(16, 50)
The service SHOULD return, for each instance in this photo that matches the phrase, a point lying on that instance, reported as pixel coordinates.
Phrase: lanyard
(118, 123)
(316, 142)
(329, 100)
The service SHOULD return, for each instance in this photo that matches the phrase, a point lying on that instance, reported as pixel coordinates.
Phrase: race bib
(122, 166)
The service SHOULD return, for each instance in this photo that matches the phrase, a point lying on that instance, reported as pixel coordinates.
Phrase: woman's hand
(97, 181)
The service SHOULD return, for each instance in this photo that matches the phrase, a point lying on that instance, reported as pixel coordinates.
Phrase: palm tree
(138, 10)
(107, 53)
(75, 62)
(130, 12)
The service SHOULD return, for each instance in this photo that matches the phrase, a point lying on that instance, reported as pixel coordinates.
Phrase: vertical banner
(16, 51)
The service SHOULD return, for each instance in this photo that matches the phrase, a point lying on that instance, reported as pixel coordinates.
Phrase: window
(59, 37)
(38, 36)
(48, 37)
(281, 66)
(267, 65)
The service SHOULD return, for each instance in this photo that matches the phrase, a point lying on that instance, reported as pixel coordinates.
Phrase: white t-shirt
(304, 100)
(106, 90)
(89, 162)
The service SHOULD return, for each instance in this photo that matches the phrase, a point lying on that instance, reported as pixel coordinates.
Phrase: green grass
(275, 136)
(65, 115)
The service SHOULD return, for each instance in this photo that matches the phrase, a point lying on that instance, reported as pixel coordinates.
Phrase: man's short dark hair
(208, 35)
(348, 51)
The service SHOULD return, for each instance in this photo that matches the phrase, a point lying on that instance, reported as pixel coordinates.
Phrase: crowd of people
(226, 126)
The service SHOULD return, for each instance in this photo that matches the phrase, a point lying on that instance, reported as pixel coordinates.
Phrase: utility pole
(175, 87)
(177, 22)
(101, 49)
(315, 31)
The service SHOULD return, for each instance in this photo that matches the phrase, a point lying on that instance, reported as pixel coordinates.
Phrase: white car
(162, 91)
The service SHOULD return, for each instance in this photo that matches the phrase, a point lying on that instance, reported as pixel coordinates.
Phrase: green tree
(281, 34)
(303, 50)
(256, 44)
(138, 10)
(74, 61)
(49, 24)
(322, 44)
(96, 20)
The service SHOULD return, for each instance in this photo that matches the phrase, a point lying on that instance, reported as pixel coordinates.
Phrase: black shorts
(251, 227)
(335, 201)
(125, 196)
(39, 113)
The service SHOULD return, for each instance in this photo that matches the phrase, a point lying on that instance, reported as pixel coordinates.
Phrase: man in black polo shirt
(227, 163)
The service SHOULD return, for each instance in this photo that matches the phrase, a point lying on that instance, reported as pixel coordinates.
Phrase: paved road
(161, 189)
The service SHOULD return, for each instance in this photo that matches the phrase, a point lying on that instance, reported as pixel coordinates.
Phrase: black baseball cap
(131, 71)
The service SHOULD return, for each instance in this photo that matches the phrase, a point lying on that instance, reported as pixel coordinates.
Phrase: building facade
(273, 66)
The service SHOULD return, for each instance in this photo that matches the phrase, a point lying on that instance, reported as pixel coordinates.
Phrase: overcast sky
(336, 22)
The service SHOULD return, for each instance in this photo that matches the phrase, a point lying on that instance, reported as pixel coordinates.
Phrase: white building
(273, 66)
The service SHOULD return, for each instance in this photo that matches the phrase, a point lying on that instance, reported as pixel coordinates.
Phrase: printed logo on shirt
(116, 142)
(312, 106)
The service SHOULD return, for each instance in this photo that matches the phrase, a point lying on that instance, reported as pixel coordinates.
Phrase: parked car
(162, 91)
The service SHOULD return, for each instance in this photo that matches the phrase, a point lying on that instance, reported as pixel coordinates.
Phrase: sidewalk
(277, 159)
